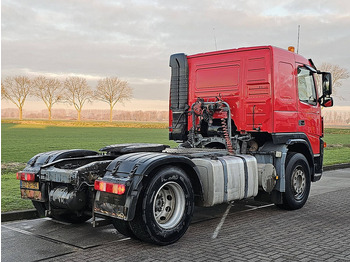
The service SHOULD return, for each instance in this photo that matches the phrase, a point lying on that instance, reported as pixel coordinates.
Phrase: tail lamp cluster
(25, 176)
(109, 187)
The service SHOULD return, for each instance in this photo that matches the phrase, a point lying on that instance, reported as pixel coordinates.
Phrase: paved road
(252, 231)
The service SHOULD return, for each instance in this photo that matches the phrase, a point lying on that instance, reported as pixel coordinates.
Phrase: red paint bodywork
(260, 78)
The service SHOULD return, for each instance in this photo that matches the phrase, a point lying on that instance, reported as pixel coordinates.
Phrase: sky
(133, 40)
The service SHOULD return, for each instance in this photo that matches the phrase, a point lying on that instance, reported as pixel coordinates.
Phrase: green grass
(10, 193)
(22, 140)
(338, 146)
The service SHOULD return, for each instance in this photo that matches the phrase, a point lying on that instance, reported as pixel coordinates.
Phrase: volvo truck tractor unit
(248, 123)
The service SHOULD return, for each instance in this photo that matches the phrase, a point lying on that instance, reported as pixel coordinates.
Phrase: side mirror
(327, 102)
(326, 84)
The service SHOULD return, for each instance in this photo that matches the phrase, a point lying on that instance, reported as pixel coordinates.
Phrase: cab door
(309, 111)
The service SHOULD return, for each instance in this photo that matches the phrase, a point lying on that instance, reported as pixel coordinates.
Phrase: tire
(69, 217)
(298, 182)
(123, 227)
(165, 207)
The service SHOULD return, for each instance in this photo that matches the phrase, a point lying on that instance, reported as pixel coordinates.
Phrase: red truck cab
(271, 92)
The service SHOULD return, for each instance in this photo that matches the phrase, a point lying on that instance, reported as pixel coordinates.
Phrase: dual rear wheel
(164, 210)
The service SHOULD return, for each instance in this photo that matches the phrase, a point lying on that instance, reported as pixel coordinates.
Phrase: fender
(303, 146)
(36, 162)
(298, 142)
(267, 154)
(133, 170)
(306, 143)
(37, 165)
(299, 145)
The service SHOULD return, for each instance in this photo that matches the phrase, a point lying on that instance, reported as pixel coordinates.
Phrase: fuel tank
(227, 178)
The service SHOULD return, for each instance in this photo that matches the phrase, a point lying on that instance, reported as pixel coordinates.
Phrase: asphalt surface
(251, 231)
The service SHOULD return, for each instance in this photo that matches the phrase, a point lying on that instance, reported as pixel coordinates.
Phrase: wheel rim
(169, 205)
(298, 182)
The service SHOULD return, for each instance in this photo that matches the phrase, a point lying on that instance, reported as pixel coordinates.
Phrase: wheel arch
(185, 164)
(303, 147)
(141, 167)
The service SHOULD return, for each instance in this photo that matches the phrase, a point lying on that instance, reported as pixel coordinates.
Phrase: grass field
(338, 146)
(22, 140)
(10, 194)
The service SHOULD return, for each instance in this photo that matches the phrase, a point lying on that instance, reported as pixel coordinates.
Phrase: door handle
(301, 122)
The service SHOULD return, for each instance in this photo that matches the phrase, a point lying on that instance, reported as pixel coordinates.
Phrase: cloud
(134, 39)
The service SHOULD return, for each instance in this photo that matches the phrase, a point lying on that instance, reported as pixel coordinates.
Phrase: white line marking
(250, 206)
(255, 208)
(217, 230)
(123, 239)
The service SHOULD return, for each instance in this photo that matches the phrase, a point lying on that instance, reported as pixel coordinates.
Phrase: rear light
(25, 176)
(108, 187)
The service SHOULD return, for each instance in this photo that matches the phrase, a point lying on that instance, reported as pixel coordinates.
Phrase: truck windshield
(306, 86)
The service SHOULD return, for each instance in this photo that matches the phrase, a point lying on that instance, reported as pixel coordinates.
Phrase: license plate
(31, 194)
(30, 185)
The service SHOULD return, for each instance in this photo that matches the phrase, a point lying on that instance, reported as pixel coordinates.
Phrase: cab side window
(306, 86)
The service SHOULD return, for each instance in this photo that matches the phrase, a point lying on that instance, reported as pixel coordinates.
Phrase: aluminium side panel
(227, 178)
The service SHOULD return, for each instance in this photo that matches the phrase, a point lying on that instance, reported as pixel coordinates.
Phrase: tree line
(73, 90)
(336, 117)
(111, 90)
(90, 114)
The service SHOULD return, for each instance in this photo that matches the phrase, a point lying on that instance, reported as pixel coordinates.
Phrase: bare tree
(16, 89)
(77, 92)
(113, 90)
(338, 74)
(49, 90)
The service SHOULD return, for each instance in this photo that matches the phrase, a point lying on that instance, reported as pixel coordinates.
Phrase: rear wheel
(123, 227)
(165, 208)
(298, 182)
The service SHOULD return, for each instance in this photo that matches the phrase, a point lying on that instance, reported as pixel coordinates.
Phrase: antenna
(298, 39)
(216, 47)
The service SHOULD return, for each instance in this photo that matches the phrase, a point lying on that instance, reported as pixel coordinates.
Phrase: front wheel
(165, 208)
(298, 182)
